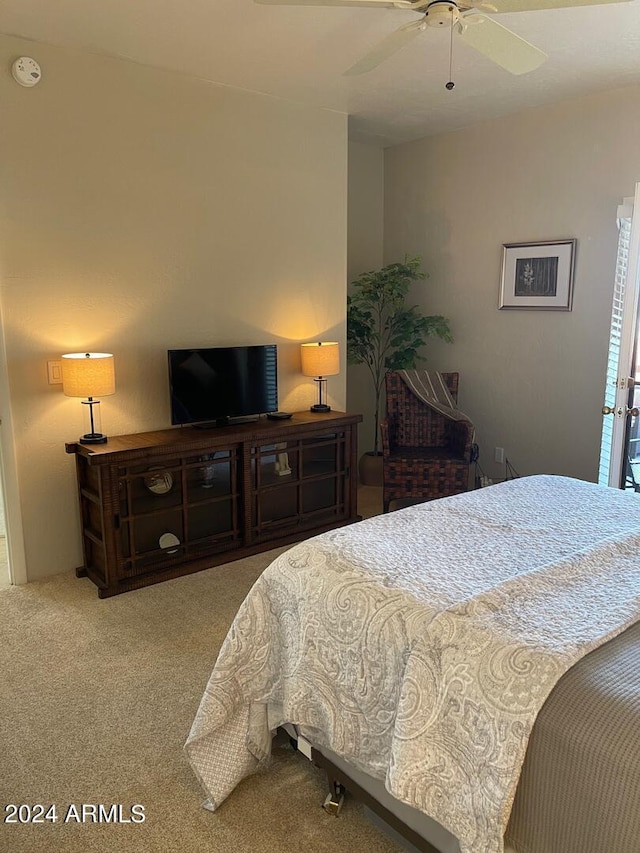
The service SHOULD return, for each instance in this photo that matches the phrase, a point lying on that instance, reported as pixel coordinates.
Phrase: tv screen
(218, 383)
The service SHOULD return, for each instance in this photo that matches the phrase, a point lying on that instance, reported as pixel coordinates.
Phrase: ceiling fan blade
(500, 45)
(533, 5)
(387, 48)
(391, 4)
(481, 5)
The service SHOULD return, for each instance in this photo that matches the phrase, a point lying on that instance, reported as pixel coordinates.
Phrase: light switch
(54, 372)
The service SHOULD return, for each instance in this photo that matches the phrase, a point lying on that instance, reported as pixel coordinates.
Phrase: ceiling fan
(465, 18)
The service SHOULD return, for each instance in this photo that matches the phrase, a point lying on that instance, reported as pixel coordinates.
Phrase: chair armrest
(387, 434)
(461, 438)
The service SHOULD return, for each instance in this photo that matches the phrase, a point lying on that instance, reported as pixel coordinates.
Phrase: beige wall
(531, 380)
(365, 244)
(141, 210)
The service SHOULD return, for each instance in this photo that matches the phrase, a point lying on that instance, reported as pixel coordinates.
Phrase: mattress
(579, 791)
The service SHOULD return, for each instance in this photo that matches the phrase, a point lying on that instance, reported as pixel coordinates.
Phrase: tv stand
(158, 505)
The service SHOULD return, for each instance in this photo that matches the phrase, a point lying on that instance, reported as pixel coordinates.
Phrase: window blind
(625, 212)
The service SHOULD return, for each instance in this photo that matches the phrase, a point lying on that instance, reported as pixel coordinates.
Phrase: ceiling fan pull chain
(451, 84)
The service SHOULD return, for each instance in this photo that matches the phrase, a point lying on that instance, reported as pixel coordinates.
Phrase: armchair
(424, 454)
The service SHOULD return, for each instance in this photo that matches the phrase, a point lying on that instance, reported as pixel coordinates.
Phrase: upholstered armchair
(425, 454)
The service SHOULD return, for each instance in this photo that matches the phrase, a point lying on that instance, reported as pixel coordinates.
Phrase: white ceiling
(300, 53)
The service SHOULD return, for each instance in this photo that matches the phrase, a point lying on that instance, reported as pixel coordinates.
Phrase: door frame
(628, 336)
(9, 475)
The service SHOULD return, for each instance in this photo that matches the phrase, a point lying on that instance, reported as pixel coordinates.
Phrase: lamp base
(93, 438)
(320, 407)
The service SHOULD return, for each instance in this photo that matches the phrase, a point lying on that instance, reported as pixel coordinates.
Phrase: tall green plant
(382, 331)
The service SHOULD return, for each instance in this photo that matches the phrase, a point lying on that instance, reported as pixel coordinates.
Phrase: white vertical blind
(625, 213)
(624, 335)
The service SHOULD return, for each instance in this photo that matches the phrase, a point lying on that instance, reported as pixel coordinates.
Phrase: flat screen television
(212, 385)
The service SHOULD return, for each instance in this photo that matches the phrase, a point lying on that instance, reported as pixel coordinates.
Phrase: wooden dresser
(161, 504)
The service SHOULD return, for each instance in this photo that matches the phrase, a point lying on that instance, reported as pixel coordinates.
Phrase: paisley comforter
(420, 645)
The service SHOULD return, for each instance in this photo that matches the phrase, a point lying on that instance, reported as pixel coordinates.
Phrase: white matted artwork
(538, 275)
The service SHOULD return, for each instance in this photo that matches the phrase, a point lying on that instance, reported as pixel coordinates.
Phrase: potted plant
(386, 334)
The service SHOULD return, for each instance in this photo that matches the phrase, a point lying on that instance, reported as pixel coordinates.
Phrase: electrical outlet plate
(54, 372)
(498, 455)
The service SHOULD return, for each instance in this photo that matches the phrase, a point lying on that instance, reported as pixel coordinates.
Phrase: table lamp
(90, 375)
(320, 359)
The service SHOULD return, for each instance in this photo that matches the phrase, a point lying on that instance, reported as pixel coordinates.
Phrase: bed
(475, 657)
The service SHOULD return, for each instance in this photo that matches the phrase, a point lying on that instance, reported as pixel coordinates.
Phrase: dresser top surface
(186, 438)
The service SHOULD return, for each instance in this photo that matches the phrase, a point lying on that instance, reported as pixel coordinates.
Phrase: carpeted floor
(96, 700)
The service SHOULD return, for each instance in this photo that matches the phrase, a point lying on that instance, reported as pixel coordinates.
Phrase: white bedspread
(420, 645)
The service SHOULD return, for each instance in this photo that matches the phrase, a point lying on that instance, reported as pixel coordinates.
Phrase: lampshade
(88, 374)
(321, 358)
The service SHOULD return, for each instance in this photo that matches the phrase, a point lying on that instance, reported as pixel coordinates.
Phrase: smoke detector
(26, 71)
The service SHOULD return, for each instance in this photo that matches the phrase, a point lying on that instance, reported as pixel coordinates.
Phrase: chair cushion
(417, 454)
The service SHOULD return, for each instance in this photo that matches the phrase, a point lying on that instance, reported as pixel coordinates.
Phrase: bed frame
(340, 782)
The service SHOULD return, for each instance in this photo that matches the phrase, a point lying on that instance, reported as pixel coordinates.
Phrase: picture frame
(538, 275)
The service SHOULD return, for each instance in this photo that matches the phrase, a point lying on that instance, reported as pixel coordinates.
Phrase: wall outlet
(498, 455)
(54, 372)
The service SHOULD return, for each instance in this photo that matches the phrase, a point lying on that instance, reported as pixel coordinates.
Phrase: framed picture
(538, 275)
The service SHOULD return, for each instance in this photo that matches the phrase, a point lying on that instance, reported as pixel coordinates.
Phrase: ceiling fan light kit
(442, 13)
(467, 19)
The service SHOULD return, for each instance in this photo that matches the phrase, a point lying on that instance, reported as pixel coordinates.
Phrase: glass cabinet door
(323, 465)
(151, 516)
(297, 483)
(212, 495)
(274, 480)
(185, 507)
